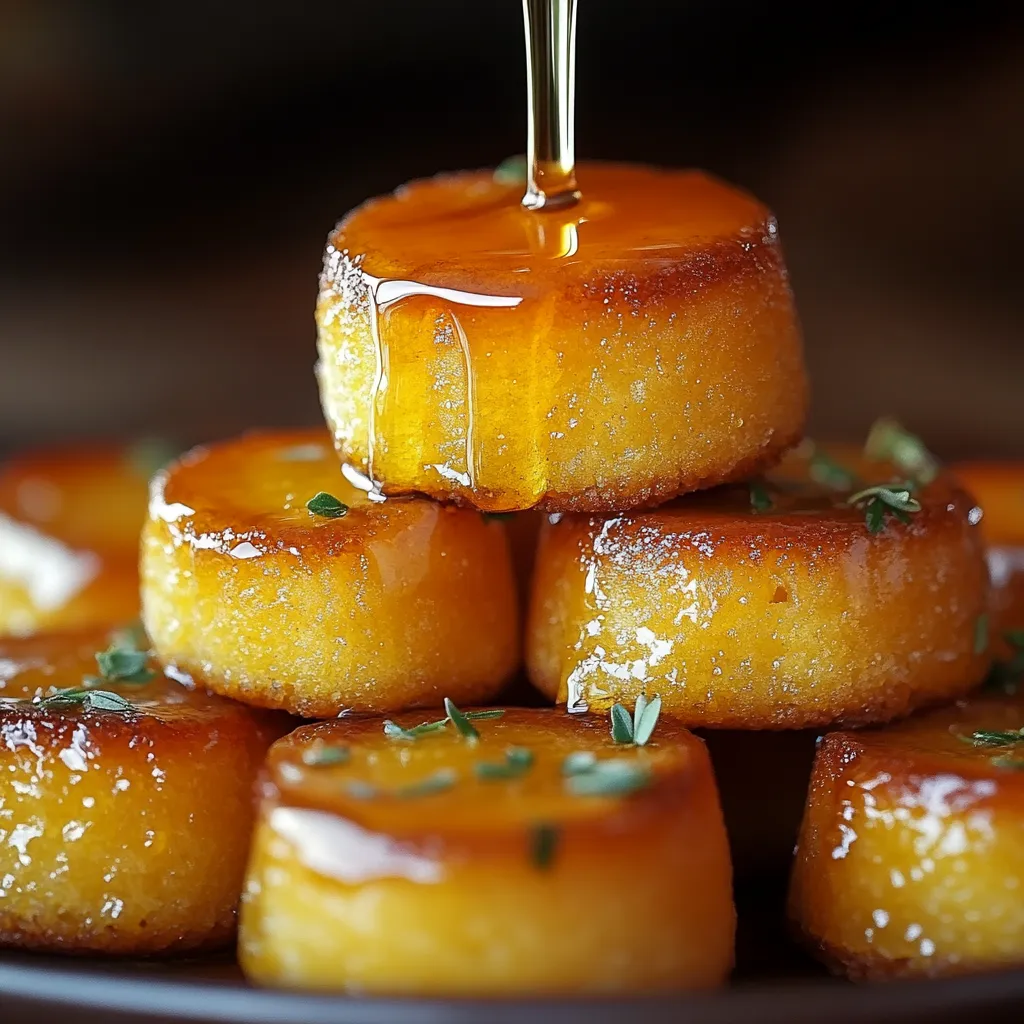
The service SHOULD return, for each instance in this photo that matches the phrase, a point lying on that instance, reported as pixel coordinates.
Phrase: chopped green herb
(511, 170)
(324, 755)
(884, 499)
(438, 782)
(92, 700)
(466, 728)
(578, 762)
(518, 761)
(995, 738)
(889, 442)
(638, 728)
(442, 779)
(543, 843)
(645, 719)
(123, 664)
(638, 710)
(326, 506)
(981, 634)
(397, 732)
(622, 724)
(609, 778)
(1006, 761)
(760, 499)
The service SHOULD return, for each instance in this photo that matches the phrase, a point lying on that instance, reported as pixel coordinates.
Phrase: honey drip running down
(478, 350)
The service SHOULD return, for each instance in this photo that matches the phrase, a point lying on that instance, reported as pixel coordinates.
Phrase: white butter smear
(51, 572)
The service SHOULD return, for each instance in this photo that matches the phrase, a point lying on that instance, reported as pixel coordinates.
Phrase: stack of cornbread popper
(623, 377)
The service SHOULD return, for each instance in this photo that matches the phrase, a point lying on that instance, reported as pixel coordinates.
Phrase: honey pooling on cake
(637, 344)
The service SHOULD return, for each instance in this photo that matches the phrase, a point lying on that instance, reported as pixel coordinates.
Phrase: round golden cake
(612, 354)
(365, 606)
(531, 855)
(125, 799)
(767, 606)
(69, 538)
(911, 853)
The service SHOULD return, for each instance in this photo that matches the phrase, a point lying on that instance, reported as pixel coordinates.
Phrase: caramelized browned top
(470, 231)
(974, 738)
(367, 786)
(247, 498)
(804, 500)
(35, 668)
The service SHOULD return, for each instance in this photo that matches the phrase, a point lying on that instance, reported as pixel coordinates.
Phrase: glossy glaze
(120, 833)
(792, 617)
(998, 488)
(69, 538)
(442, 894)
(394, 605)
(911, 855)
(635, 345)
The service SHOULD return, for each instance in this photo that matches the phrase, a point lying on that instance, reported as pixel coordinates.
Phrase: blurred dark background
(169, 171)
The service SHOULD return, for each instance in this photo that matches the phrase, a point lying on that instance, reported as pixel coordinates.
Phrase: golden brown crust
(395, 604)
(909, 856)
(127, 830)
(658, 352)
(648, 494)
(740, 618)
(870, 967)
(476, 886)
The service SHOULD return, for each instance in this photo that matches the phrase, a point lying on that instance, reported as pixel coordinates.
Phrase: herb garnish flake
(518, 761)
(635, 729)
(326, 506)
(90, 699)
(880, 500)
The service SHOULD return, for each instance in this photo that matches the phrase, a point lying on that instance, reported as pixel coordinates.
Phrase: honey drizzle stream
(550, 27)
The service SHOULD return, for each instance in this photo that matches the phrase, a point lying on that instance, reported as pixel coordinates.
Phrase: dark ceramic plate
(43, 990)
(775, 984)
